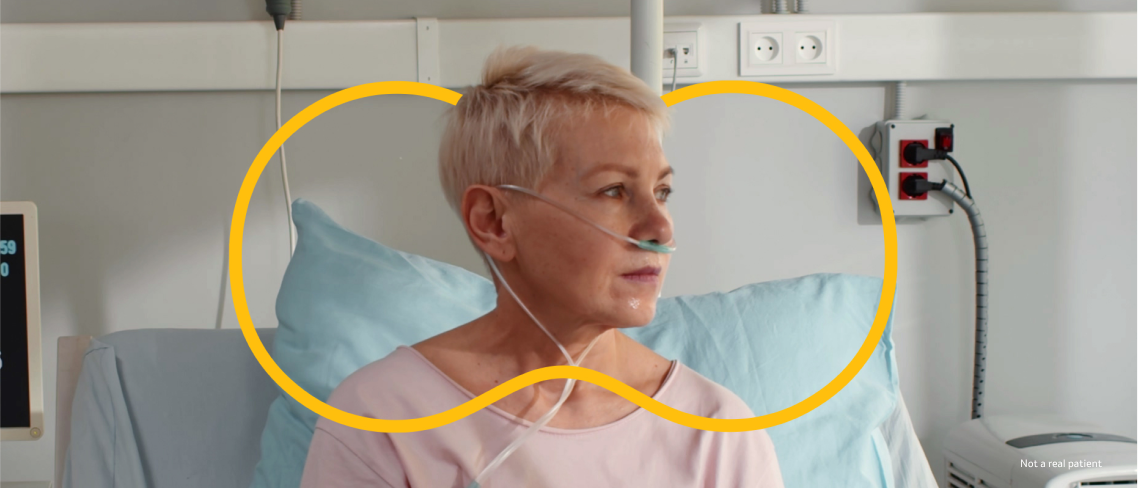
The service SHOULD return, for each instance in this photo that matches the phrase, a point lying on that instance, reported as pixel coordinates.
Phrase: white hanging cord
(284, 175)
(284, 169)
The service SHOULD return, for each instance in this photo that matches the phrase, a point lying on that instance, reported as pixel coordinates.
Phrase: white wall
(135, 193)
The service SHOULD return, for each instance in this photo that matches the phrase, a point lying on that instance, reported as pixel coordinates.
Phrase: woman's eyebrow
(623, 169)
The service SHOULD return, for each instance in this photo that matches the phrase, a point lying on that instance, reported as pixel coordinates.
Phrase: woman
(585, 137)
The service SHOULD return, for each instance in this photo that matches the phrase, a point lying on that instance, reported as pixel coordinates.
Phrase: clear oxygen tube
(541, 422)
(647, 245)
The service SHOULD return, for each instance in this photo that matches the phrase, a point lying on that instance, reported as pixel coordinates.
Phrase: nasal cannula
(651, 245)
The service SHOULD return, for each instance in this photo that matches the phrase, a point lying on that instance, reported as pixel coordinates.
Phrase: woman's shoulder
(689, 391)
(399, 383)
(697, 394)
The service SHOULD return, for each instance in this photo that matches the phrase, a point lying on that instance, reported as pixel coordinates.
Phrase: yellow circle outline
(889, 229)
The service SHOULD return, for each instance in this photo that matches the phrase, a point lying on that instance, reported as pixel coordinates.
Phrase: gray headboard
(68, 364)
(197, 401)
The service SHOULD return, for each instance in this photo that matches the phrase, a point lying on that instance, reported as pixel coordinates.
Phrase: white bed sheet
(910, 466)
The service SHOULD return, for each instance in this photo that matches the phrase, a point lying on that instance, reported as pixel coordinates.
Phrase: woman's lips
(648, 278)
(646, 270)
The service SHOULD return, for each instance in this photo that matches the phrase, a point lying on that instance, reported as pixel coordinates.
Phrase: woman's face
(610, 170)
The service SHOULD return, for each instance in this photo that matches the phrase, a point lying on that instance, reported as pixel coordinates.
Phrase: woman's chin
(637, 312)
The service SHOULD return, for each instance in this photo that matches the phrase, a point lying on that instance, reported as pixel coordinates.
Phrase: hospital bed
(197, 402)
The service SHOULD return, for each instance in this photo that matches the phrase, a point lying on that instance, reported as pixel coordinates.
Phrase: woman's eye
(615, 192)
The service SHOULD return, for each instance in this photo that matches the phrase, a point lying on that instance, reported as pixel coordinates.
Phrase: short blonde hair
(504, 130)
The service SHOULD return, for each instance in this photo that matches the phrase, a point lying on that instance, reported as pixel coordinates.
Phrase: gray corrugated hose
(980, 239)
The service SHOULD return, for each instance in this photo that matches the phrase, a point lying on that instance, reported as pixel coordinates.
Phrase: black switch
(944, 139)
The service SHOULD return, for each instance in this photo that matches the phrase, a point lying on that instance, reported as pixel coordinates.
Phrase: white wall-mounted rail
(193, 56)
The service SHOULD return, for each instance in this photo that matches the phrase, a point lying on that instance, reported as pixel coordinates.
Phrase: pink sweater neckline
(668, 380)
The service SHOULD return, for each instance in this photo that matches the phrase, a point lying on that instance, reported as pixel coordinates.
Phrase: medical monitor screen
(15, 409)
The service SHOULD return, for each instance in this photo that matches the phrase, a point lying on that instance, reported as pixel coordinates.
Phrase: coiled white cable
(541, 422)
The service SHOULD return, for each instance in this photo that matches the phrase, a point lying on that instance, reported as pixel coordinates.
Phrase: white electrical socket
(690, 45)
(811, 47)
(786, 45)
(765, 48)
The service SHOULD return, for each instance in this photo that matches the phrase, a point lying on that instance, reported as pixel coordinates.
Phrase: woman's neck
(500, 346)
(511, 334)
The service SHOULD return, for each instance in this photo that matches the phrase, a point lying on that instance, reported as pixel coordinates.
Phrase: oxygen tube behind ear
(541, 422)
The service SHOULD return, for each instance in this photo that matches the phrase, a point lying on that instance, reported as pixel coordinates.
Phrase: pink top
(640, 449)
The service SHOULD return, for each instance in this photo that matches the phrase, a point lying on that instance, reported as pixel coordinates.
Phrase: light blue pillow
(347, 301)
(775, 344)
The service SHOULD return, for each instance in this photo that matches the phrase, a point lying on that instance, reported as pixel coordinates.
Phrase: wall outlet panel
(693, 63)
(96, 57)
(787, 45)
(887, 146)
(685, 44)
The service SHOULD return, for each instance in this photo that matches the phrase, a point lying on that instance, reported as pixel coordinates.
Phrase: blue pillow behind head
(347, 301)
(344, 302)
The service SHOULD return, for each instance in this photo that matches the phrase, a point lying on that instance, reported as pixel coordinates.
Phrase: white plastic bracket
(427, 46)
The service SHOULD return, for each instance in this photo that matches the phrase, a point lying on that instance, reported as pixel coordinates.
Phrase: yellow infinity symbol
(240, 208)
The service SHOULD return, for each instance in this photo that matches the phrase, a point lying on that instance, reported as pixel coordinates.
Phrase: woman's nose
(655, 222)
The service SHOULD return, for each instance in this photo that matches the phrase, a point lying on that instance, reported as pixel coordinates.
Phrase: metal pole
(648, 42)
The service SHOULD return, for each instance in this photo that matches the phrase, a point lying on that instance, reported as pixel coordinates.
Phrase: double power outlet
(787, 47)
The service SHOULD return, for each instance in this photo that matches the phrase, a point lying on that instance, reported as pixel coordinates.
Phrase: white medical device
(21, 412)
(1037, 452)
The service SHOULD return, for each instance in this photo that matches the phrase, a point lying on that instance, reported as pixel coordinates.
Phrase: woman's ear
(483, 213)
